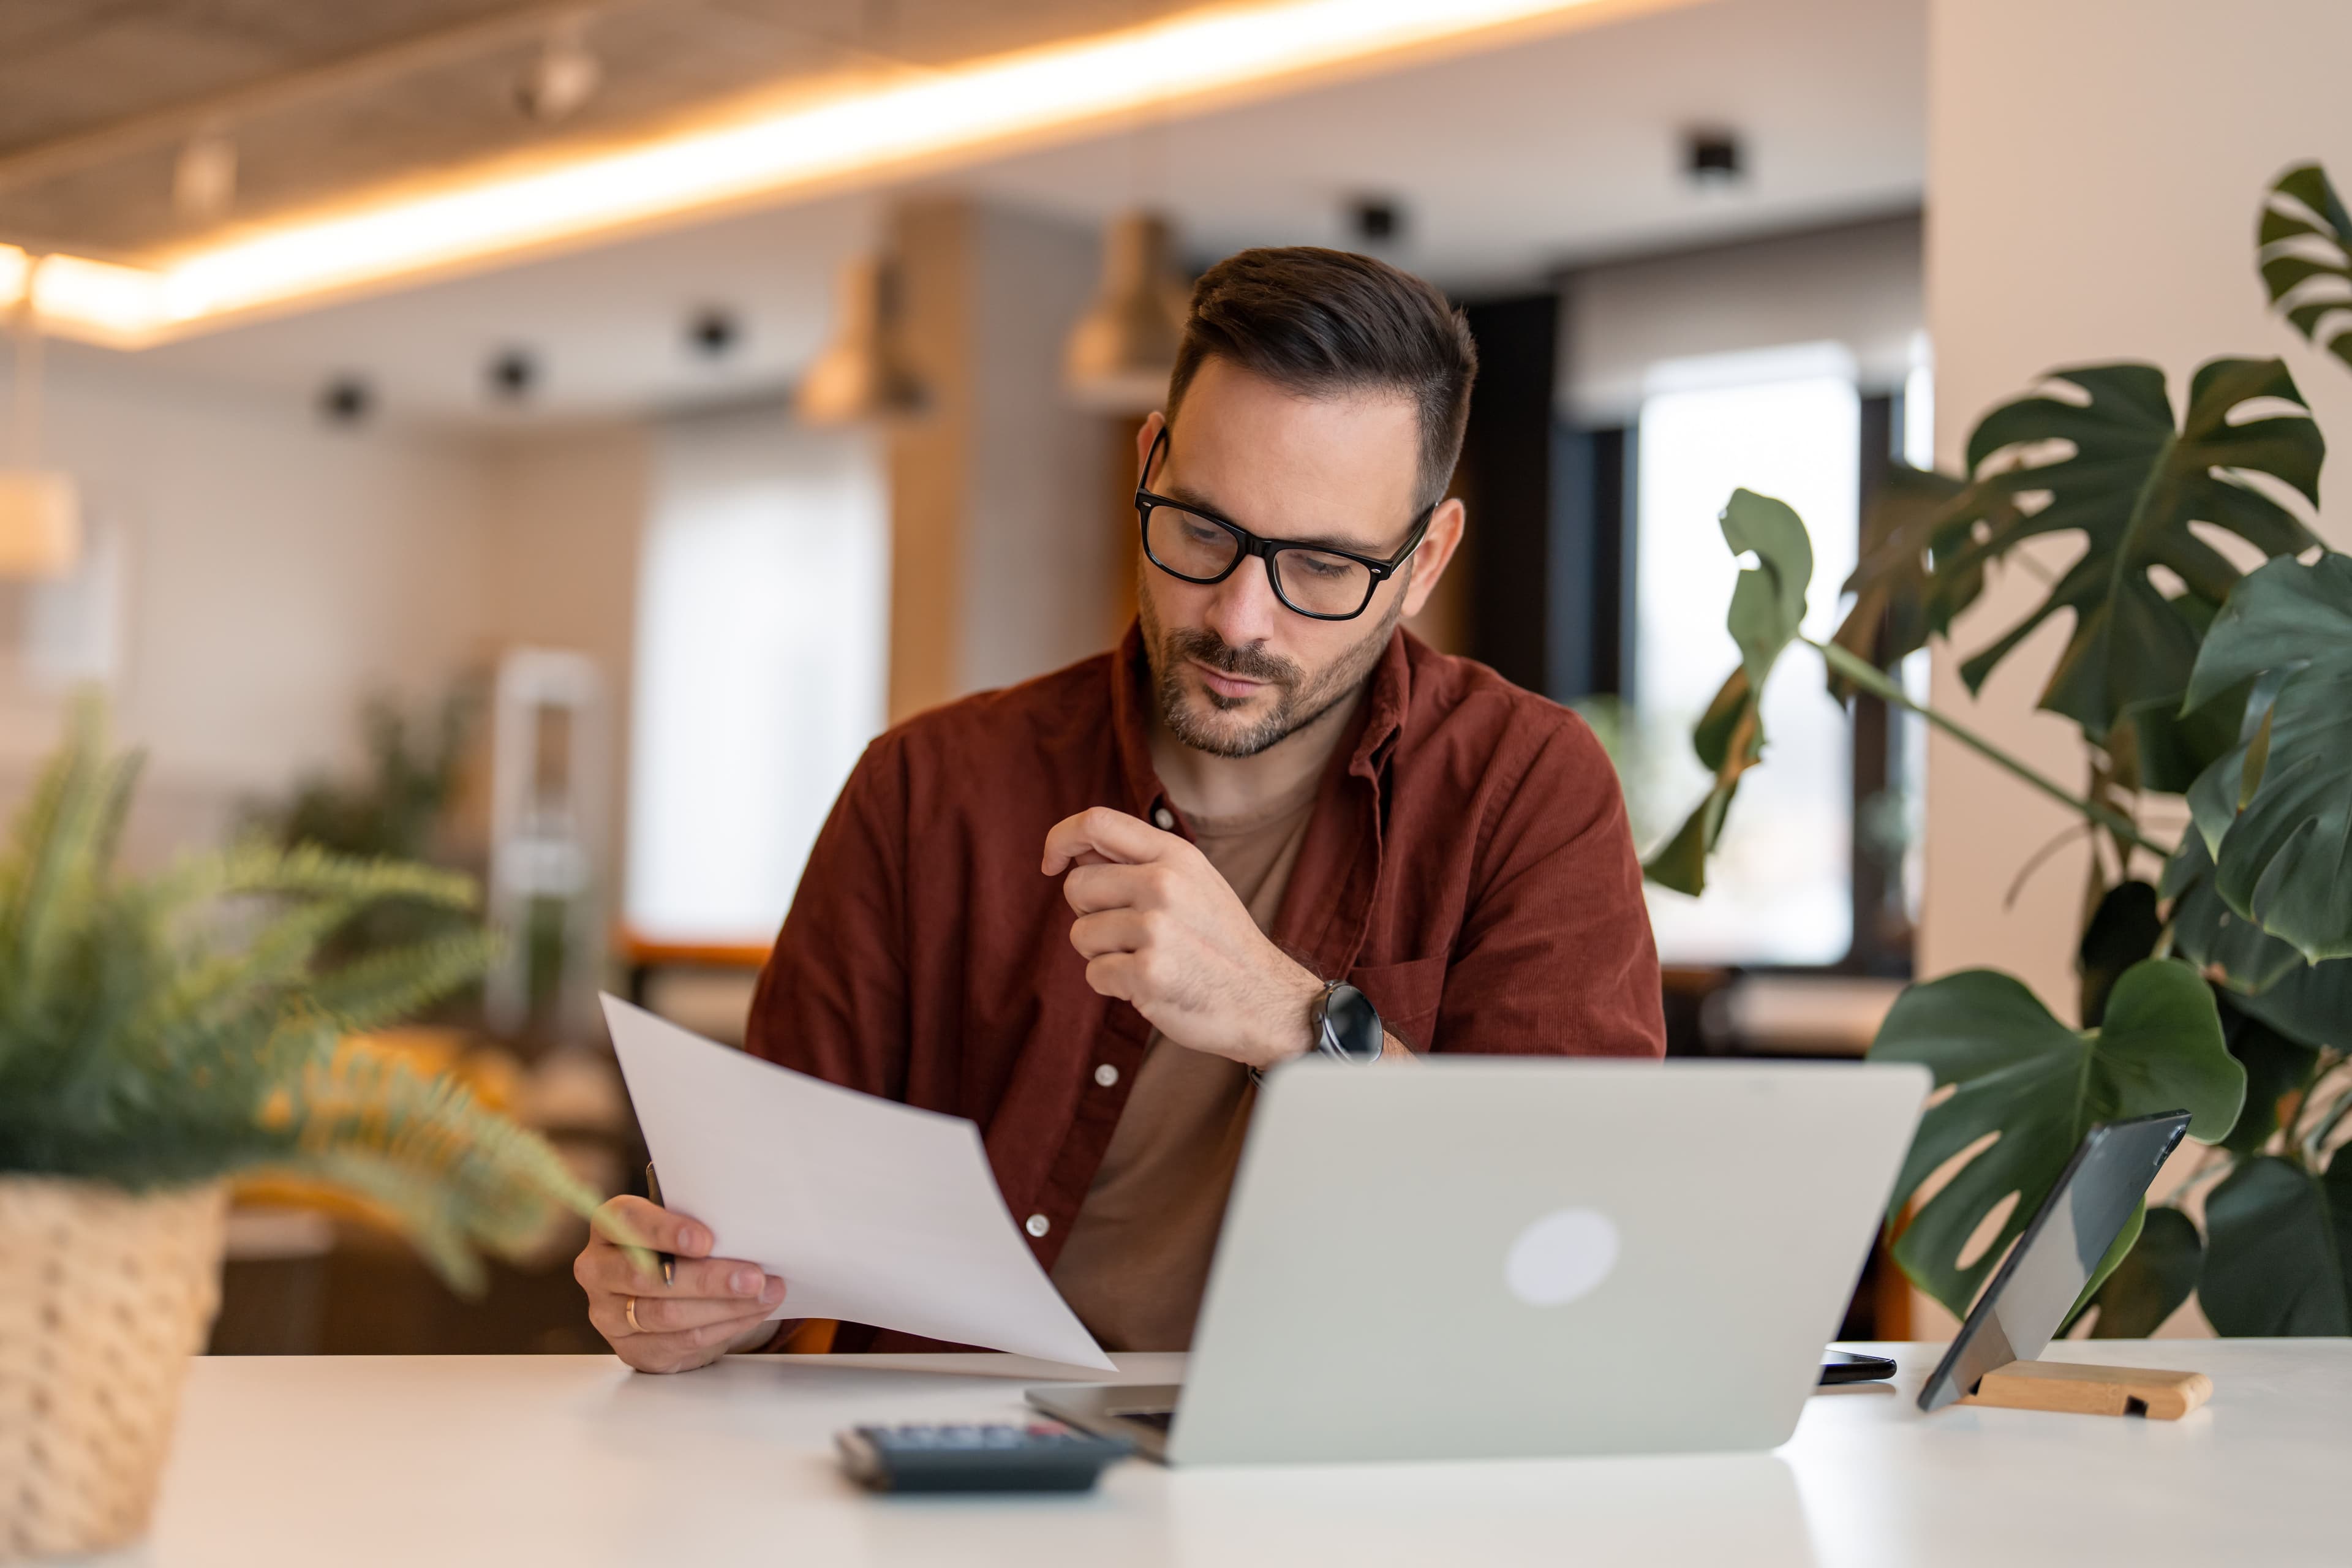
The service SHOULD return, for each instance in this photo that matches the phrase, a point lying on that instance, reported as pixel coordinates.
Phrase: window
(761, 639)
(1785, 423)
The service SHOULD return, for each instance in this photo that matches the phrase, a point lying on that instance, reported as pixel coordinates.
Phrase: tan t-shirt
(1138, 1257)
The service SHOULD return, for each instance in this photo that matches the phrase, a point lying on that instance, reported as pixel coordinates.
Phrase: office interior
(556, 554)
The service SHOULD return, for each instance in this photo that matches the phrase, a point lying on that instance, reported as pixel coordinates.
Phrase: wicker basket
(103, 1298)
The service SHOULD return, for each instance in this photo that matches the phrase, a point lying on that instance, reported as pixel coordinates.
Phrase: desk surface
(572, 1460)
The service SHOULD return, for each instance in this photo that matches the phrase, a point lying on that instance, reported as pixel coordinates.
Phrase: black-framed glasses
(1313, 579)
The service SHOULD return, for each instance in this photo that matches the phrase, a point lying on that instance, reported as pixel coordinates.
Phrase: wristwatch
(1347, 1026)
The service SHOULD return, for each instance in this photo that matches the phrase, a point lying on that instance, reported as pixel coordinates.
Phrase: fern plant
(181, 1028)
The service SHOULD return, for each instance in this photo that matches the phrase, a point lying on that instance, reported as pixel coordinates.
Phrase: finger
(1115, 976)
(678, 1351)
(609, 1310)
(609, 1316)
(666, 1315)
(604, 1267)
(1113, 834)
(1090, 889)
(718, 1278)
(610, 1269)
(1114, 930)
(650, 1225)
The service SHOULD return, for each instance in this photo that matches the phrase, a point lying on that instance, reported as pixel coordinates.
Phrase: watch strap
(1344, 1025)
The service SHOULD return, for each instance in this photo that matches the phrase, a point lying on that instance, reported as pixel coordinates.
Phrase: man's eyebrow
(1193, 499)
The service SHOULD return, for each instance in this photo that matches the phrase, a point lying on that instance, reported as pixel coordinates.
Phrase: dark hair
(1316, 322)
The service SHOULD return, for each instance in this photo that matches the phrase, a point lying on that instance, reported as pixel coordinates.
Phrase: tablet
(2043, 1278)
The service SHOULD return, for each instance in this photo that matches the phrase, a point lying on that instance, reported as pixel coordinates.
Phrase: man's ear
(1153, 422)
(1436, 552)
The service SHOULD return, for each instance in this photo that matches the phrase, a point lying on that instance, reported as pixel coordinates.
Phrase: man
(1087, 910)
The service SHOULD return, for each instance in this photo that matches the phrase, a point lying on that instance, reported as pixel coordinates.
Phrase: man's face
(1237, 669)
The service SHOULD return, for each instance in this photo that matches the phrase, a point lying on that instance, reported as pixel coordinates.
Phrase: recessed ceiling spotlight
(713, 331)
(513, 373)
(1376, 220)
(346, 400)
(564, 77)
(204, 177)
(1714, 156)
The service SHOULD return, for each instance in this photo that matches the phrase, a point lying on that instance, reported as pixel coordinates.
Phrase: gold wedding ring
(629, 1310)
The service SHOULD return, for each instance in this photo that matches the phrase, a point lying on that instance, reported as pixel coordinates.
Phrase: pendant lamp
(1119, 354)
(40, 510)
(861, 373)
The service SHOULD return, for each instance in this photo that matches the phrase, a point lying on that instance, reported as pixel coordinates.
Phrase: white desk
(573, 1461)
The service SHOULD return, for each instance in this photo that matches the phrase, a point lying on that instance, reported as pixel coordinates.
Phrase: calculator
(1001, 1457)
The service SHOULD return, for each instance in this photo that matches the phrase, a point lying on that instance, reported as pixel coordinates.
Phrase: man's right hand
(711, 1305)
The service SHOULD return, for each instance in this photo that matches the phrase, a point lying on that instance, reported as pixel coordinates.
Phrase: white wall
(1857, 284)
(2095, 168)
(273, 571)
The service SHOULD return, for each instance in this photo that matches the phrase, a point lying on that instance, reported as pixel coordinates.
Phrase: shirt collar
(1130, 696)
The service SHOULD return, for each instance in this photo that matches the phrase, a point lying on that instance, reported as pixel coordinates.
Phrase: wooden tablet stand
(2092, 1390)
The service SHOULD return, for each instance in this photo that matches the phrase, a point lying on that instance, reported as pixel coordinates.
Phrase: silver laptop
(1486, 1258)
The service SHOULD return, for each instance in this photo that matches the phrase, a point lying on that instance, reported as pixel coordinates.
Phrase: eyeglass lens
(1312, 580)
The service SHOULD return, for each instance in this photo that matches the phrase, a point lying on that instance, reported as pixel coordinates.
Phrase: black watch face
(1352, 1025)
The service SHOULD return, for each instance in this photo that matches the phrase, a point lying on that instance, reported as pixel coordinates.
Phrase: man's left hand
(1161, 928)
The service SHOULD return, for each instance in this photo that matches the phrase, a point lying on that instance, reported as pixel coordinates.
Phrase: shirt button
(1107, 1075)
(1165, 819)
(1038, 1225)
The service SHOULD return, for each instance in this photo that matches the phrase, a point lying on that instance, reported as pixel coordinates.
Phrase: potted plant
(2216, 970)
(156, 1037)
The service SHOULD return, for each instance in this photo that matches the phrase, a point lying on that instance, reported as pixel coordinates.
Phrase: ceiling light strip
(987, 101)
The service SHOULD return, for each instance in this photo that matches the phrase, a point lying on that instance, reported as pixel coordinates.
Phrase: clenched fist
(1158, 928)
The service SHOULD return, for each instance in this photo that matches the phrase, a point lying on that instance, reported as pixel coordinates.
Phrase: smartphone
(1847, 1366)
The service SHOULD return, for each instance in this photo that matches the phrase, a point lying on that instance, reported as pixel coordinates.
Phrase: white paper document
(870, 1211)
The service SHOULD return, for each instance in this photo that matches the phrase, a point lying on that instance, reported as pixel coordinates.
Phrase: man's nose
(1244, 610)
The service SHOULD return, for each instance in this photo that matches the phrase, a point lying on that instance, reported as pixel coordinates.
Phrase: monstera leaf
(2306, 258)
(2132, 485)
(2278, 1251)
(1909, 526)
(2312, 1005)
(2035, 1085)
(2231, 950)
(1767, 604)
(2152, 1280)
(2267, 979)
(2276, 812)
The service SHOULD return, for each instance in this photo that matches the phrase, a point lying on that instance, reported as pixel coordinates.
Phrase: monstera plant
(2216, 971)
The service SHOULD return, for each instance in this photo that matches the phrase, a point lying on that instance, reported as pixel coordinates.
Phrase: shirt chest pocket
(1407, 995)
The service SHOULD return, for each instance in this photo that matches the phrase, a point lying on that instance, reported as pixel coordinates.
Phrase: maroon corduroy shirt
(1467, 866)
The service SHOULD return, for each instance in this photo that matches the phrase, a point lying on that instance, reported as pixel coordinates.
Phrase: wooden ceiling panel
(68, 67)
(75, 73)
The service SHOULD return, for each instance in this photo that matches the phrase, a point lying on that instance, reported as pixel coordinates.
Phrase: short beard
(1300, 701)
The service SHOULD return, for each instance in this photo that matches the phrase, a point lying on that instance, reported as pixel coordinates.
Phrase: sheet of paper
(870, 1211)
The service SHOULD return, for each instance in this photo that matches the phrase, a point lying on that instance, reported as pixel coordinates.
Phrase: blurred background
(552, 439)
